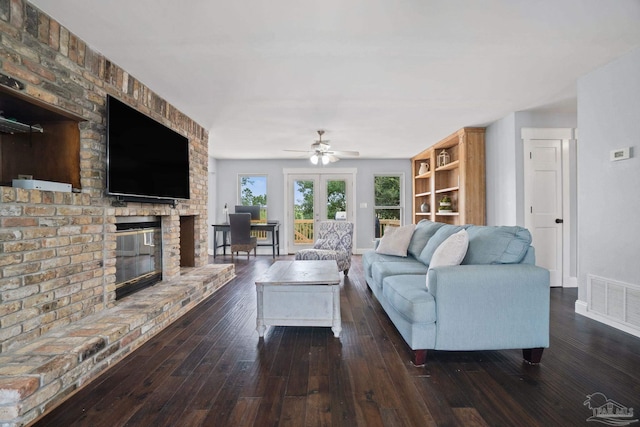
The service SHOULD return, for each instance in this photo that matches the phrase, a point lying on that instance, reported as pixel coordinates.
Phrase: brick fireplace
(59, 250)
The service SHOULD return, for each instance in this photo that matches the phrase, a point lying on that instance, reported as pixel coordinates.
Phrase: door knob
(559, 221)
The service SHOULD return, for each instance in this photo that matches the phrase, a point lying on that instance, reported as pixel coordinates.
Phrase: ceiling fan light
(325, 159)
(314, 159)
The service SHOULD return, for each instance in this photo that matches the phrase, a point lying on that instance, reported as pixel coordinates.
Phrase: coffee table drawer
(308, 305)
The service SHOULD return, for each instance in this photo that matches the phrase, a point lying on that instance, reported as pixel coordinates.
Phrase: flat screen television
(145, 159)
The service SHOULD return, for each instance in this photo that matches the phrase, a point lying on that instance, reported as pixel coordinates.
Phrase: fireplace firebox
(138, 253)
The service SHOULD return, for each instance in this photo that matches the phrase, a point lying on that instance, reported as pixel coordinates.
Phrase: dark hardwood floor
(210, 369)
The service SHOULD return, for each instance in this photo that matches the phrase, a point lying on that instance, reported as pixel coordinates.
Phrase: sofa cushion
(396, 240)
(425, 229)
(440, 236)
(497, 244)
(369, 258)
(408, 296)
(450, 252)
(380, 270)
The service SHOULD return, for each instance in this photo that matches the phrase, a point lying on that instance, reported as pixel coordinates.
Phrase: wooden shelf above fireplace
(38, 140)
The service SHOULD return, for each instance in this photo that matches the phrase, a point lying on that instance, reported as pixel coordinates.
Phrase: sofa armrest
(489, 307)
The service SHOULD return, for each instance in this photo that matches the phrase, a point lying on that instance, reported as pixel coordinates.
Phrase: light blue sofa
(496, 299)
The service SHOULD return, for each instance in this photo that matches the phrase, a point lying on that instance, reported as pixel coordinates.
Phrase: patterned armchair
(335, 240)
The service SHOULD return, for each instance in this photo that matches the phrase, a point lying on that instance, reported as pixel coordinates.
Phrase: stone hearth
(39, 376)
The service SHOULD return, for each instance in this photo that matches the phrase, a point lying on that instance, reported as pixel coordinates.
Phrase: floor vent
(615, 300)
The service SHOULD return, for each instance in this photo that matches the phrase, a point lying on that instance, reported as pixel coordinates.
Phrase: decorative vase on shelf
(424, 168)
(425, 207)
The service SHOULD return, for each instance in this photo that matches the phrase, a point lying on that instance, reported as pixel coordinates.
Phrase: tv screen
(144, 157)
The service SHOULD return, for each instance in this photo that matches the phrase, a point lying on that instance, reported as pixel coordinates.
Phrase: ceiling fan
(320, 151)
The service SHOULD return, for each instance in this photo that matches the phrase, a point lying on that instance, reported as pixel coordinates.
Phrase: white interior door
(543, 203)
(313, 198)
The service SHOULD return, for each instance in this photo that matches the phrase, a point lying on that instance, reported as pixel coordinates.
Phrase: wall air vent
(615, 300)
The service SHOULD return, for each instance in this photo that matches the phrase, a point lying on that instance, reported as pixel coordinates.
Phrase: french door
(315, 197)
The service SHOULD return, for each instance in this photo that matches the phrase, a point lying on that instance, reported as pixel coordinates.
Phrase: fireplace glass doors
(138, 254)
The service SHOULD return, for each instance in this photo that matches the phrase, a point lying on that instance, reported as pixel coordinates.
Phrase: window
(387, 201)
(336, 197)
(253, 191)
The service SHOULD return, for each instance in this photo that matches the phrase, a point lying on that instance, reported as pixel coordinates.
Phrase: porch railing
(259, 234)
(303, 231)
(383, 223)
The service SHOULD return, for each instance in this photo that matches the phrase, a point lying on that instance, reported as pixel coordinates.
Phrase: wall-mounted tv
(145, 159)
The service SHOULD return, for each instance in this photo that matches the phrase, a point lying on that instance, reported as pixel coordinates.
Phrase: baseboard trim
(582, 308)
(570, 282)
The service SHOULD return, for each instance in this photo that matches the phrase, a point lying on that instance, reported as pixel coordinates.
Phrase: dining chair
(241, 239)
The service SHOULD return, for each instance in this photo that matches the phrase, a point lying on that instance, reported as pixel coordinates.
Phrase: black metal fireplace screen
(138, 254)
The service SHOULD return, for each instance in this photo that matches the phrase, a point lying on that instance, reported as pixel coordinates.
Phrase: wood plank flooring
(210, 369)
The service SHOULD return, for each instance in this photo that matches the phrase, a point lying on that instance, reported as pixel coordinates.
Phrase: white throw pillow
(396, 240)
(450, 252)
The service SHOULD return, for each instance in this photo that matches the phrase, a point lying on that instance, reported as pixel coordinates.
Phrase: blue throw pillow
(440, 236)
(425, 229)
(497, 244)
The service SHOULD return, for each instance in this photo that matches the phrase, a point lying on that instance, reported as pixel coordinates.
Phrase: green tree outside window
(387, 201)
(253, 191)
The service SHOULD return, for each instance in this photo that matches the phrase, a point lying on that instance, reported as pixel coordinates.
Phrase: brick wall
(57, 250)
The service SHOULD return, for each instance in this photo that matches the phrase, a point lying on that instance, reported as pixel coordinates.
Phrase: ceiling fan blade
(333, 158)
(299, 151)
(345, 153)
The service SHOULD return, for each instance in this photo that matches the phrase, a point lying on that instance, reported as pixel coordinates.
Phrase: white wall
(505, 162)
(501, 172)
(609, 192)
(226, 189)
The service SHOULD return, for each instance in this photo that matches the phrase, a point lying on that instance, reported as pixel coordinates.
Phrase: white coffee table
(299, 293)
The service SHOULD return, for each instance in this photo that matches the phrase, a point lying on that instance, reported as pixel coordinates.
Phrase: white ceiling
(384, 77)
